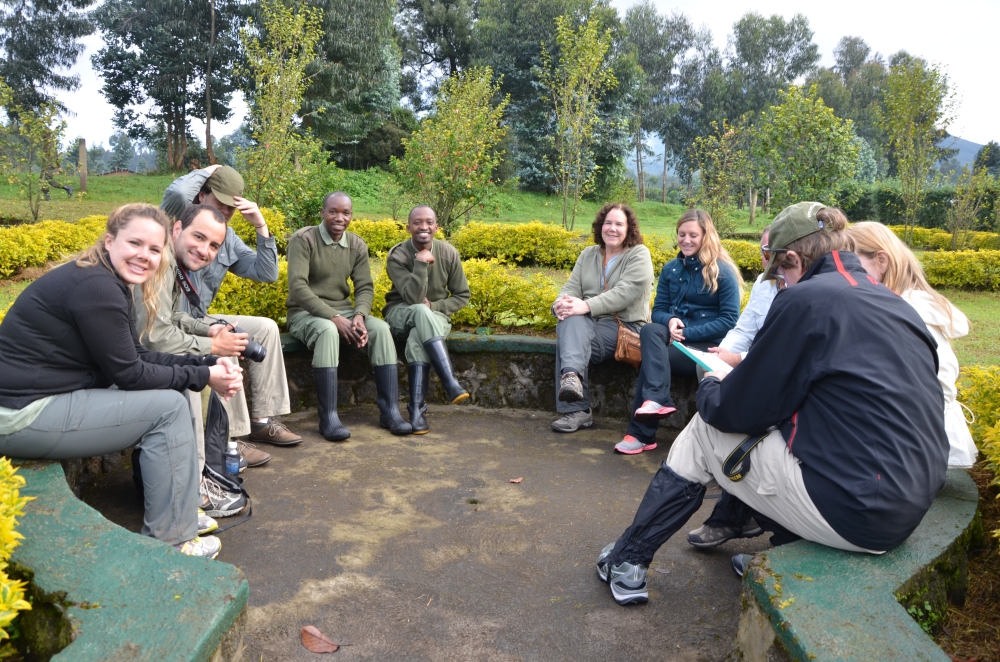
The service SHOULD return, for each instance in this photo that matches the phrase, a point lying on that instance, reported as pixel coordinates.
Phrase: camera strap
(184, 282)
(737, 465)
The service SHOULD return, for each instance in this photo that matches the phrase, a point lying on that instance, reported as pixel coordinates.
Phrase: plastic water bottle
(232, 460)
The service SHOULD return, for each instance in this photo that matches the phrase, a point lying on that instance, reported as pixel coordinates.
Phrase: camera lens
(254, 351)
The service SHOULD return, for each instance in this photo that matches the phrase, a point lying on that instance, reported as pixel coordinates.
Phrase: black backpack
(216, 438)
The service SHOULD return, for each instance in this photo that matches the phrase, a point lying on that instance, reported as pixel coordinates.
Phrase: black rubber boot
(387, 398)
(438, 353)
(669, 502)
(420, 375)
(326, 392)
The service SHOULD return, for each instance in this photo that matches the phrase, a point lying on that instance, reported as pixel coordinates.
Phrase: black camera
(254, 351)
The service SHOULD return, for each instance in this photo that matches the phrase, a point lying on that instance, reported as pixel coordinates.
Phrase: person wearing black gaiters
(840, 391)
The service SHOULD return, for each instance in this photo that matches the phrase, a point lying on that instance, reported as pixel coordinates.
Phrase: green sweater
(630, 282)
(442, 283)
(318, 269)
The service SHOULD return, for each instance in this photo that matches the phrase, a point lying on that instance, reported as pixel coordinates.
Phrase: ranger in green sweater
(321, 259)
(428, 287)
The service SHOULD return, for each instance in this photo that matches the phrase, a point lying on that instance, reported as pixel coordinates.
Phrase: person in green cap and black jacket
(321, 260)
(832, 426)
(428, 287)
(221, 187)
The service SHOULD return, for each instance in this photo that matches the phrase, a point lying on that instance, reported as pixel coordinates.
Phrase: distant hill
(967, 149)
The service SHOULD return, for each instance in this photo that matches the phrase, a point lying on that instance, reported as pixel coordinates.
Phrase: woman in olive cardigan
(613, 278)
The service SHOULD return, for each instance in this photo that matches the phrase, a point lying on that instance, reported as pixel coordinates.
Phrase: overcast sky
(962, 40)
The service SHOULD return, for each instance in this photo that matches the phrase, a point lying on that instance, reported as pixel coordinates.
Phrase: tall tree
(765, 56)
(39, 40)
(655, 40)
(988, 158)
(918, 108)
(573, 86)
(436, 39)
(354, 81)
(155, 61)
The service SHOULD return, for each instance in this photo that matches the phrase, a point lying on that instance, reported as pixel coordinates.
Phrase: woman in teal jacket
(697, 303)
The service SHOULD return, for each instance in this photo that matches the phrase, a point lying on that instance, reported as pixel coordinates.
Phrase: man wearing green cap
(221, 187)
(832, 426)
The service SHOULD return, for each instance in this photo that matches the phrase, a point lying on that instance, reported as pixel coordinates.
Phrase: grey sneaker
(602, 562)
(740, 563)
(573, 421)
(570, 387)
(221, 503)
(705, 536)
(204, 546)
(627, 580)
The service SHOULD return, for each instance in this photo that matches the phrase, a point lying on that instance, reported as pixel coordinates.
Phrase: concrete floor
(419, 548)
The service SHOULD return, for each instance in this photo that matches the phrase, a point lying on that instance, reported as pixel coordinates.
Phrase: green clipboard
(708, 362)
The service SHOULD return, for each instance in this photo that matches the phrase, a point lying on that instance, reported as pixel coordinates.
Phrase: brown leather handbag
(627, 349)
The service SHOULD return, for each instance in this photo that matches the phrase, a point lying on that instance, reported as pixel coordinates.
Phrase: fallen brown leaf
(516, 480)
(316, 641)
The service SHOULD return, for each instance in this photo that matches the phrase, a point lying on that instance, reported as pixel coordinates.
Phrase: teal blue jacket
(681, 292)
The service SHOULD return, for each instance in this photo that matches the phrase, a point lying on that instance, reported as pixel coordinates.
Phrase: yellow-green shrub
(3, 312)
(979, 390)
(23, 246)
(746, 255)
(11, 507)
(275, 225)
(503, 297)
(660, 250)
(977, 270)
(382, 287)
(242, 296)
(535, 242)
(935, 239)
(379, 235)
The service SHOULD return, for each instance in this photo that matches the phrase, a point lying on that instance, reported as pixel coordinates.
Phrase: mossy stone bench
(102, 593)
(498, 370)
(804, 601)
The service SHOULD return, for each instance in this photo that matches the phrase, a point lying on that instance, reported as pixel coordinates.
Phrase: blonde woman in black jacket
(75, 382)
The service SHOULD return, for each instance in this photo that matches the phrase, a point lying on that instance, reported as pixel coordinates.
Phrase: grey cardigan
(629, 284)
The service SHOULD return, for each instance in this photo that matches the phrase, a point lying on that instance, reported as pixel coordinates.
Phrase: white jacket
(946, 328)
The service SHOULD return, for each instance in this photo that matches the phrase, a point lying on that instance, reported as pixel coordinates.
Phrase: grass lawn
(9, 291)
(982, 345)
(103, 194)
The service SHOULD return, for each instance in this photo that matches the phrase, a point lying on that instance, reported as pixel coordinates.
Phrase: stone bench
(804, 601)
(100, 592)
(498, 370)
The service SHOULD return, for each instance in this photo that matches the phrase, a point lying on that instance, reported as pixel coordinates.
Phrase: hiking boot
(651, 410)
(254, 456)
(205, 523)
(221, 503)
(573, 421)
(632, 446)
(627, 580)
(740, 563)
(705, 536)
(570, 387)
(272, 432)
(204, 546)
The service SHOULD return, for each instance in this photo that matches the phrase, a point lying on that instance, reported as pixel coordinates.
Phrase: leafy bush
(379, 235)
(3, 312)
(502, 297)
(276, 225)
(746, 255)
(660, 250)
(242, 296)
(979, 390)
(527, 243)
(974, 270)
(11, 507)
(34, 245)
(883, 202)
(940, 240)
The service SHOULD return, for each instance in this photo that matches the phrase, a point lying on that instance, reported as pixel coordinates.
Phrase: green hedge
(882, 202)
(934, 239)
(979, 390)
(34, 245)
(534, 243)
(972, 270)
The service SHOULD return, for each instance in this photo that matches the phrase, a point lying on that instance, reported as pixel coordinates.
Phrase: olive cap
(225, 183)
(791, 224)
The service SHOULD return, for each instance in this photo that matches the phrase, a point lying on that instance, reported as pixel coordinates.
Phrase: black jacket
(72, 329)
(848, 371)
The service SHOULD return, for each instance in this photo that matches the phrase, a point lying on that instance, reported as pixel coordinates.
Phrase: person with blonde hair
(889, 261)
(76, 383)
(697, 303)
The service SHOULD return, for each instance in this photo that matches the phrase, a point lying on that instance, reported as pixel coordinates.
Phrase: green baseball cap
(225, 183)
(790, 225)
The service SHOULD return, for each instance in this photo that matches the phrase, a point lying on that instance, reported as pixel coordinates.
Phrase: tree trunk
(753, 205)
(81, 164)
(639, 175)
(663, 180)
(208, 89)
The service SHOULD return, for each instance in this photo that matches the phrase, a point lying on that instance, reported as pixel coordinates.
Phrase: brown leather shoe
(273, 432)
(254, 456)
